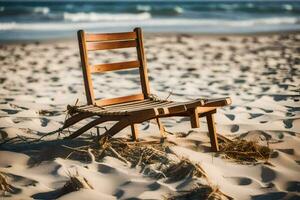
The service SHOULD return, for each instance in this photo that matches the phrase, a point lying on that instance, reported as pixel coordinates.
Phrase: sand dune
(260, 73)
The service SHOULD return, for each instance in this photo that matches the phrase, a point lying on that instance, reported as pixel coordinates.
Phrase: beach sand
(259, 72)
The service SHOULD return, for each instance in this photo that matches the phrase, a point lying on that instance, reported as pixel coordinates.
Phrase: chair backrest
(105, 41)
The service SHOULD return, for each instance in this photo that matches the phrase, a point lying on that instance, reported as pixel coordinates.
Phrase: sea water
(49, 19)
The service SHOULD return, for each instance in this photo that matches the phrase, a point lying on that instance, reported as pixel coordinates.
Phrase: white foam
(43, 10)
(288, 7)
(143, 8)
(76, 17)
(94, 20)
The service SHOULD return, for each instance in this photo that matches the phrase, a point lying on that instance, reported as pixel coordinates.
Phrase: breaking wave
(77, 17)
(120, 20)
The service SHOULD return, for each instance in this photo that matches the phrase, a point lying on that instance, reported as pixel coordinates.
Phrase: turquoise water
(26, 20)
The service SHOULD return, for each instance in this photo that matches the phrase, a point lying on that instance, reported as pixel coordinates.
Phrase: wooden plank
(205, 109)
(115, 66)
(87, 127)
(142, 58)
(187, 114)
(103, 102)
(177, 108)
(76, 118)
(212, 132)
(171, 106)
(110, 36)
(93, 46)
(194, 103)
(134, 132)
(141, 106)
(143, 101)
(116, 128)
(161, 128)
(85, 68)
(194, 119)
(217, 102)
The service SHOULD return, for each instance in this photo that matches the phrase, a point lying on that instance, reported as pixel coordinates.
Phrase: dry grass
(199, 192)
(156, 160)
(184, 169)
(134, 153)
(4, 185)
(245, 151)
(153, 156)
(74, 183)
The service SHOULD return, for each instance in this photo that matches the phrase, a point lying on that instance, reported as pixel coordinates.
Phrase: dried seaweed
(136, 153)
(74, 183)
(245, 151)
(184, 169)
(199, 192)
(5, 186)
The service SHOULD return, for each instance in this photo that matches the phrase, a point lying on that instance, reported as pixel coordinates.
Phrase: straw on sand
(4, 185)
(74, 183)
(199, 191)
(243, 150)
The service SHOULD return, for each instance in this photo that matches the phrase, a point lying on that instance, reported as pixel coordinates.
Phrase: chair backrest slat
(88, 84)
(110, 36)
(123, 99)
(115, 66)
(93, 46)
(142, 58)
(107, 41)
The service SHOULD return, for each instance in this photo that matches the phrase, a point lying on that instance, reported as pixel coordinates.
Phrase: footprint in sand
(287, 151)
(230, 116)
(154, 186)
(44, 122)
(276, 196)
(293, 186)
(234, 128)
(288, 123)
(240, 180)
(267, 174)
(105, 169)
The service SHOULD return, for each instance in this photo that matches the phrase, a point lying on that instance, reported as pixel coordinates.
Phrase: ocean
(55, 19)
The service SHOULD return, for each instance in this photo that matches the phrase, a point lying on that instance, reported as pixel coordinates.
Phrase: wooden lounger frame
(134, 109)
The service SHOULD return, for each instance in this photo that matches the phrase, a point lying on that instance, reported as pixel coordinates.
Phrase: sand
(259, 72)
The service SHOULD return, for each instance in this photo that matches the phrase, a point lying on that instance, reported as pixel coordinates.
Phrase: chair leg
(195, 119)
(76, 118)
(212, 132)
(116, 128)
(134, 132)
(87, 127)
(161, 128)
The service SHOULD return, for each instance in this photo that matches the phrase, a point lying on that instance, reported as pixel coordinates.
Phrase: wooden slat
(76, 118)
(110, 36)
(110, 45)
(205, 109)
(88, 84)
(142, 58)
(103, 102)
(212, 132)
(161, 128)
(138, 108)
(134, 131)
(143, 101)
(217, 102)
(195, 119)
(87, 127)
(114, 66)
(138, 105)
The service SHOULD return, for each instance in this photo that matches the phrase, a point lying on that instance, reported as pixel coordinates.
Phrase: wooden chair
(134, 109)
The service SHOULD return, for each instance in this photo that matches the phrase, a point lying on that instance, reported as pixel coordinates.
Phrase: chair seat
(159, 107)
